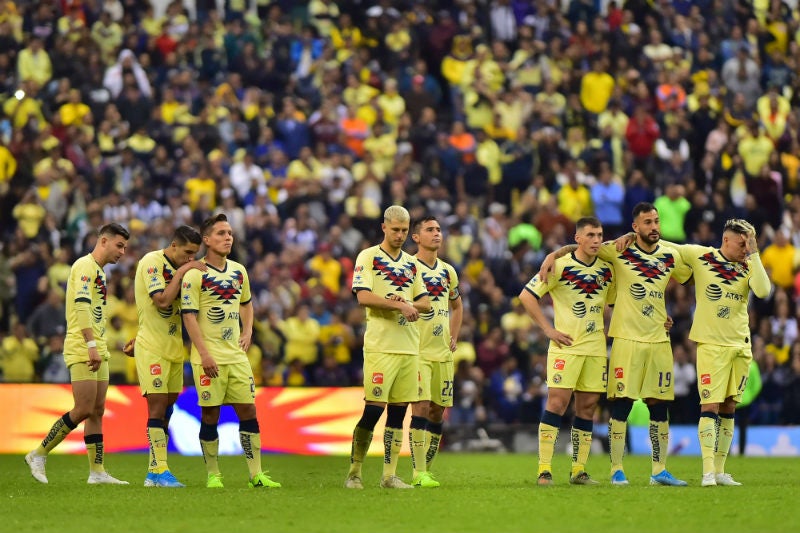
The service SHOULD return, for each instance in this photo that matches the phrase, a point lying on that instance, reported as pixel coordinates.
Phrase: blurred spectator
(19, 356)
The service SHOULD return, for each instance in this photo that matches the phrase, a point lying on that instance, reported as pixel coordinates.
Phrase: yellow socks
(158, 446)
(617, 430)
(659, 440)
(416, 440)
(724, 439)
(581, 444)
(392, 442)
(61, 428)
(94, 450)
(362, 438)
(548, 434)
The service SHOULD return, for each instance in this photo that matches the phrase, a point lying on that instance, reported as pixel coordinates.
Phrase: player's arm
(246, 315)
(531, 304)
(550, 260)
(196, 336)
(759, 279)
(456, 317)
(422, 304)
(83, 315)
(368, 298)
(163, 299)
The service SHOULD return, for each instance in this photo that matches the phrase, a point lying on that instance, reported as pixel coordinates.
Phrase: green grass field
(479, 493)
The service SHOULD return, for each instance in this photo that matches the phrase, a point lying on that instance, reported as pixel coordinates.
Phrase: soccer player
(212, 304)
(387, 282)
(723, 279)
(640, 365)
(159, 341)
(576, 359)
(86, 356)
(438, 338)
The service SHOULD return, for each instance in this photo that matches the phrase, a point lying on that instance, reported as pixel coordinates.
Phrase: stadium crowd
(507, 119)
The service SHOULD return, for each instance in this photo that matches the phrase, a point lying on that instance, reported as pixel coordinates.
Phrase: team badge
(705, 394)
(377, 391)
(206, 395)
(620, 387)
(235, 284)
(157, 383)
(557, 379)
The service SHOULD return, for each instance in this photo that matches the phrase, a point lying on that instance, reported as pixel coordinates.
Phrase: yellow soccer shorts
(583, 373)
(234, 384)
(156, 374)
(640, 370)
(722, 372)
(391, 378)
(436, 380)
(80, 372)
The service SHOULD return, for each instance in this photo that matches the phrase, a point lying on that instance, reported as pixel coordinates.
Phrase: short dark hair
(643, 207)
(187, 234)
(113, 229)
(208, 223)
(588, 221)
(419, 222)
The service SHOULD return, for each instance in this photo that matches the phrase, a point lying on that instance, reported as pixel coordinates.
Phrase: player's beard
(649, 238)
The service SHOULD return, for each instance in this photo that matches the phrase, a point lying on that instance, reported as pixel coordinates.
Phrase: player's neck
(428, 257)
(583, 257)
(646, 246)
(97, 259)
(216, 260)
(391, 250)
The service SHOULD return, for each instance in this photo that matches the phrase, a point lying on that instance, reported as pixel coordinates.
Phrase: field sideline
(479, 493)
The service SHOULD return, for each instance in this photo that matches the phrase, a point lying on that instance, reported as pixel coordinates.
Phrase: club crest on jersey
(157, 383)
(206, 395)
(589, 284)
(650, 269)
(400, 276)
(557, 379)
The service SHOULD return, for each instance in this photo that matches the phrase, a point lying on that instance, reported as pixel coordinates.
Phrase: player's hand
(199, 265)
(245, 339)
(750, 243)
(669, 323)
(453, 344)
(395, 298)
(410, 312)
(129, 348)
(625, 241)
(548, 266)
(210, 367)
(94, 360)
(561, 339)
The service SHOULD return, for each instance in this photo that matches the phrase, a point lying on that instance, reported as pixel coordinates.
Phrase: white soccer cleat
(37, 462)
(394, 482)
(353, 482)
(104, 478)
(727, 480)
(709, 480)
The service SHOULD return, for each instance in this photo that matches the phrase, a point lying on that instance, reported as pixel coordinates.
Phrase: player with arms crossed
(386, 281)
(723, 279)
(86, 356)
(159, 341)
(576, 359)
(212, 303)
(640, 365)
(438, 338)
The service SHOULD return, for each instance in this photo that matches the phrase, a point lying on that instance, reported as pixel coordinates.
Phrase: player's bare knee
(435, 413)
(420, 408)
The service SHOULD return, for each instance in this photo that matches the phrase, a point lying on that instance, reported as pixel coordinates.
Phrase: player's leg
(403, 387)
(93, 433)
(210, 394)
(433, 430)
(549, 426)
(419, 420)
(624, 379)
(157, 378)
(441, 399)
(591, 384)
(739, 362)
(708, 425)
(374, 405)
(84, 391)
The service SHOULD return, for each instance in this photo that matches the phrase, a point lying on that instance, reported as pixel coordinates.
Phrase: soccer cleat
(394, 482)
(425, 480)
(353, 482)
(214, 481)
(263, 480)
(104, 478)
(151, 479)
(167, 480)
(727, 480)
(545, 479)
(665, 478)
(618, 478)
(709, 480)
(582, 478)
(36, 462)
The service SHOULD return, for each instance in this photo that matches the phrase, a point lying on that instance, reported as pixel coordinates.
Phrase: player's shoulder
(150, 258)
(369, 252)
(85, 263)
(234, 266)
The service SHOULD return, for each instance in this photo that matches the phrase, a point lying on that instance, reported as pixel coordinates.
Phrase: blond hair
(396, 213)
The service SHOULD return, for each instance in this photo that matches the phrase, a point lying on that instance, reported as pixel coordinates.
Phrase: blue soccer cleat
(167, 480)
(151, 480)
(665, 478)
(618, 478)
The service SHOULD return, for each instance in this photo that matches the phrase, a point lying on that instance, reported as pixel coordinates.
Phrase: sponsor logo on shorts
(559, 364)
(155, 369)
(205, 381)
(206, 395)
(557, 379)
(377, 378)
(620, 387)
(377, 391)
(705, 379)
(157, 383)
(705, 393)
(619, 373)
